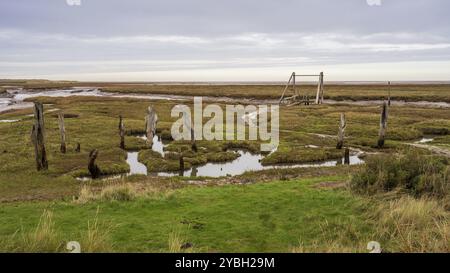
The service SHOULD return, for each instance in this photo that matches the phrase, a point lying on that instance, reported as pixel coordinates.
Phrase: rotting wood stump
(38, 137)
(94, 170)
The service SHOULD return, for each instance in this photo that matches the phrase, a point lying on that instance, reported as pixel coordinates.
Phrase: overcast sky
(224, 40)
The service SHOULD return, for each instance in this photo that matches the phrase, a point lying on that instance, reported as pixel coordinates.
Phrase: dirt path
(434, 149)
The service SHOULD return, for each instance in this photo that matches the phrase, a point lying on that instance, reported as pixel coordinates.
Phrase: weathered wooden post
(193, 144)
(150, 124)
(321, 87)
(341, 132)
(347, 156)
(181, 165)
(383, 125)
(78, 148)
(389, 93)
(38, 137)
(94, 170)
(121, 133)
(319, 94)
(62, 132)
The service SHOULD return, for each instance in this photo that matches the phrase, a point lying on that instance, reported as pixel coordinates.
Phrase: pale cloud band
(232, 37)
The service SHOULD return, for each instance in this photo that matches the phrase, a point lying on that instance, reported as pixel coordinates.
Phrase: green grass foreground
(265, 217)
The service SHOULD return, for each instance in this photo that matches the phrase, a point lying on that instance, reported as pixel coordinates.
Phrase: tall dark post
(347, 156)
(181, 165)
(62, 132)
(121, 133)
(383, 125)
(389, 93)
(38, 137)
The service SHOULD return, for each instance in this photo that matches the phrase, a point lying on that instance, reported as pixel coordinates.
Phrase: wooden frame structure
(296, 98)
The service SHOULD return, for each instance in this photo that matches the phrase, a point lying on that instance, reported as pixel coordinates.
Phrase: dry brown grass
(402, 225)
(413, 225)
(120, 191)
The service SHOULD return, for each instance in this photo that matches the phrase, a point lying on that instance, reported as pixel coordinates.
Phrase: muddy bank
(17, 98)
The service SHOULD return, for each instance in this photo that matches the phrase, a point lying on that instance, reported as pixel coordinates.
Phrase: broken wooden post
(341, 132)
(121, 133)
(62, 132)
(347, 156)
(383, 125)
(150, 124)
(94, 170)
(78, 148)
(38, 138)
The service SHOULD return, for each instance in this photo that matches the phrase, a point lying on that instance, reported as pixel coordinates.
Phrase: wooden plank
(286, 88)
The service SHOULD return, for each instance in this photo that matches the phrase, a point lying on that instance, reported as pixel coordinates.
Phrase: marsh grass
(413, 225)
(46, 238)
(341, 238)
(415, 172)
(177, 242)
(123, 192)
(114, 192)
(96, 237)
(402, 225)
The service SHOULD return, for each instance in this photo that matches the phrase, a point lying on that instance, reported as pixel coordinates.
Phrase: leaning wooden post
(94, 170)
(121, 133)
(341, 132)
(383, 125)
(62, 132)
(38, 138)
(150, 124)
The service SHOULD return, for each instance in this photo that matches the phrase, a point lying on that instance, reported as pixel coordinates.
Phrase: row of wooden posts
(381, 132)
(38, 138)
(151, 119)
